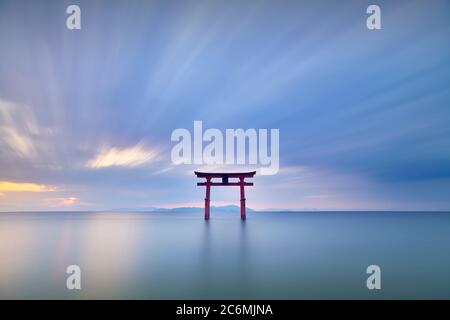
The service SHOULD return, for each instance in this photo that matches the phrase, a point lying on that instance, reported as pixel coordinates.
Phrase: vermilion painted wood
(225, 182)
(249, 174)
(218, 184)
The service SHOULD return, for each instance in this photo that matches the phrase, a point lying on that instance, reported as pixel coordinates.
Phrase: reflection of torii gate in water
(241, 183)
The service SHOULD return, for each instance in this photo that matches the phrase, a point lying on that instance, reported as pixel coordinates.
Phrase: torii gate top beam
(225, 174)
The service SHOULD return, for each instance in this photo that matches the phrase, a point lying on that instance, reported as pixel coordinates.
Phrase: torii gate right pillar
(207, 198)
(241, 184)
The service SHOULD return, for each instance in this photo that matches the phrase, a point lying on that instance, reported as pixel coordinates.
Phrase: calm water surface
(271, 255)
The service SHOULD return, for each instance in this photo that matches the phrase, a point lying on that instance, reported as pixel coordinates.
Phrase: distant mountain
(228, 208)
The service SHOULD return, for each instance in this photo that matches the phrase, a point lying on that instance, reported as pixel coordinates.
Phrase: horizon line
(165, 210)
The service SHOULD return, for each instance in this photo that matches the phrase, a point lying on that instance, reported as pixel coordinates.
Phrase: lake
(271, 255)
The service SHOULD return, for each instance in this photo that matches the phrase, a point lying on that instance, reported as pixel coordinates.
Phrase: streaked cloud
(69, 201)
(128, 157)
(62, 201)
(7, 186)
(17, 141)
(359, 128)
(17, 128)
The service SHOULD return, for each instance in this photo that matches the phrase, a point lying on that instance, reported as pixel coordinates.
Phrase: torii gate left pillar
(225, 182)
(207, 198)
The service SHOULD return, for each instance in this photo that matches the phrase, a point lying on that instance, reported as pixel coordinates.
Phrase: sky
(86, 115)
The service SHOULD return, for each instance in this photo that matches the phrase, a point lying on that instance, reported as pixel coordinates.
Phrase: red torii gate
(225, 176)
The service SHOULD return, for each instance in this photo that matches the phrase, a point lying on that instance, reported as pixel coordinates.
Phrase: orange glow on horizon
(8, 186)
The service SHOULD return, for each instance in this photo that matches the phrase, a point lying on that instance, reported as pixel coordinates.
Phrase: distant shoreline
(200, 210)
